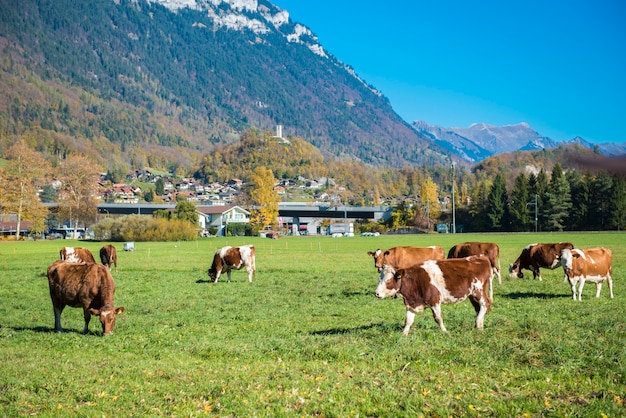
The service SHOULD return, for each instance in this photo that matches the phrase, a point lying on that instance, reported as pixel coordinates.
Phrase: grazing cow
(233, 258)
(588, 265)
(108, 256)
(403, 257)
(77, 255)
(83, 285)
(439, 281)
(490, 249)
(534, 256)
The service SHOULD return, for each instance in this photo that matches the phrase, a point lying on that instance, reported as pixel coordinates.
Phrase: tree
(49, 194)
(186, 211)
(541, 188)
(264, 198)
(618, 203)
(159, 187)
(518, 209)
(601, 187)
(479, 207)
(429, 199)
(19, 185)
(579, 192)
(498, 212)
(559, 200)
(78, 195)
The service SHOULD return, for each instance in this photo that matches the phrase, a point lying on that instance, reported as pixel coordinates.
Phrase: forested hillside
(131, 82)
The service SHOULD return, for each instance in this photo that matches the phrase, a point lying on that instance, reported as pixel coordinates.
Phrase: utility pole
(534, 203)
(453, 209)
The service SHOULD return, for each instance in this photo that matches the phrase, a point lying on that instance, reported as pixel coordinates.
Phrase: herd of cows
(423, 276)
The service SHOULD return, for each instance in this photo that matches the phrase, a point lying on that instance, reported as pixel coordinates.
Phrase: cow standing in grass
(403, 257)
(76, 255)
(437, 282)
(233, 258)
(535, 256)
(83, 285)
(588, 265)
(489, 249)
(108, 256)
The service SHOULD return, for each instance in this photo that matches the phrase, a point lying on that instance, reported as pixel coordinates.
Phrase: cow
(233, 258)
(435, 282)
(588, 265)
(76, 255)
(403, 257)
(108, 256)
(83, 285)
(489, 249)
(534, 256)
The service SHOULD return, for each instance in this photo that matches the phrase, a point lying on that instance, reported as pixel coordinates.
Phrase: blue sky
(560, 66)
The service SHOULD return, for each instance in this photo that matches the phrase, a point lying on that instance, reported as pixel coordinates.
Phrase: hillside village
(215, 193)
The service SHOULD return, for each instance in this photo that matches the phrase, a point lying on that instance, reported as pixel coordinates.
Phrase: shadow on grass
(535, 295)
(48, 330)
(341, 331)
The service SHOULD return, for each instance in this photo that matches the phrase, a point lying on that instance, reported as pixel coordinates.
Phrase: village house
(220, 217)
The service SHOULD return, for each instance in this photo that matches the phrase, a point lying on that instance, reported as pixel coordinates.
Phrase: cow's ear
(386, 253)
(95, 312)
(120, 310)
(370, 253)
(399, 274)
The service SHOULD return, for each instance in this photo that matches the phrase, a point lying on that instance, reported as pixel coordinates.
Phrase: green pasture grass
(308, 338)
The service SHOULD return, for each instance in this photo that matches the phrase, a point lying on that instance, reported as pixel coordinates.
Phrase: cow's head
(567, 258)
(379, 258)
(212, 273)
(107, 315)
(388, 282)
(515, 271)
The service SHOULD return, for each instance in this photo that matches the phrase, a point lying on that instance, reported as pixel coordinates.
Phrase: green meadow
(308, 338)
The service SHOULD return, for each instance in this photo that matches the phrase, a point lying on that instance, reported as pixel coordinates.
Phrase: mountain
(480, 140)
(163, 82)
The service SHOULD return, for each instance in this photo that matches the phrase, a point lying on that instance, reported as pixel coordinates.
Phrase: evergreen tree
(497, 200)
(579, 192)
(159, 187)
(600, 197)
(559, 201)
(49, 194)
(478, 208)
(520, 217)
(618, 203)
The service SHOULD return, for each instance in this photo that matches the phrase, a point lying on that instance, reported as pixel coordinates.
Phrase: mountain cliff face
(165, 81)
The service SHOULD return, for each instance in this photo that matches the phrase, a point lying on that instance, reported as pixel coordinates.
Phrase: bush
(144, 228)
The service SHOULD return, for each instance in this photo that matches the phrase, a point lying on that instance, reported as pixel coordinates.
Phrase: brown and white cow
(83, 285)
(108, 256)
(233, 258)
(403, 257)
(535, 256)
(76, 255)
(435, 282)
(489, 249)
(588, 265)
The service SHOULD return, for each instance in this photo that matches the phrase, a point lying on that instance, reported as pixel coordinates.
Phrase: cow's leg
(217, 276)
(536, 273)
(491, 286)
(498, 272)
(437, 315)
(580, 288)
(87, 315)
(610, 280)
(57, 318)
(483, 305)
(410, 317)
(228, 274)
(598, 289)
(249, 269)
(573, 284)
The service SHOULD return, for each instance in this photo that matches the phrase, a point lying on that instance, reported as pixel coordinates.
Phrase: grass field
(308, 338)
